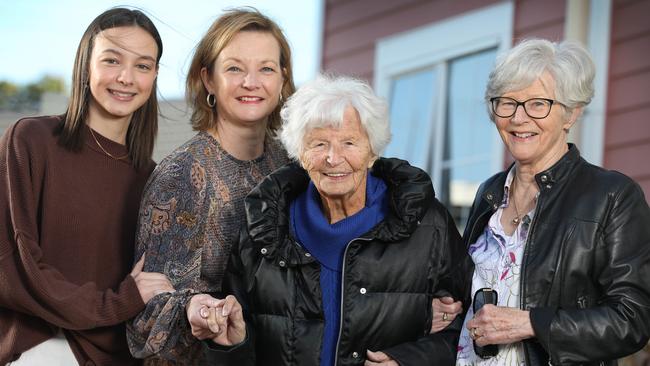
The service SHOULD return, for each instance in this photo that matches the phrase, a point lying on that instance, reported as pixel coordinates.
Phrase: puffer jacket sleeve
(453, 276)
(619, 319)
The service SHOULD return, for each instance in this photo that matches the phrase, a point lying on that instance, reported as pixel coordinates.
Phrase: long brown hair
(221, 32)
(141, 135)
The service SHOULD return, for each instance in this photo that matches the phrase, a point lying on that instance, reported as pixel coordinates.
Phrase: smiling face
(537, 143)
(337, 161)
(247, 78)
(122, 72)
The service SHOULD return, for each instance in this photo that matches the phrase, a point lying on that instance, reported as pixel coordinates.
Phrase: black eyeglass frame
(523, 104)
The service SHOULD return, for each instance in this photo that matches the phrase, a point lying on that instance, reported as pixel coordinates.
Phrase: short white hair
(570, 65)
(322, 103)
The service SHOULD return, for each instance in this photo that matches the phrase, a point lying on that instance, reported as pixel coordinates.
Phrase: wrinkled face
(536, 142)
(122, 71)
(247, 78)
(337, 159)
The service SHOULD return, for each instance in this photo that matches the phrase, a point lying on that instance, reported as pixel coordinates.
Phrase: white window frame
(592, 124)
(432, 46)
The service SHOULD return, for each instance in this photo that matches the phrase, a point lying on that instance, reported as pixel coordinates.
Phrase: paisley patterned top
(191, 213)
(497, 258)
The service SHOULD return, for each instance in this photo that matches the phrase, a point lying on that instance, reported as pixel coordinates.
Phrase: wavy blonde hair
(220, 33)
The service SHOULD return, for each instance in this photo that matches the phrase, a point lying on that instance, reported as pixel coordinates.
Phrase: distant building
(173, 123)
(431, 58)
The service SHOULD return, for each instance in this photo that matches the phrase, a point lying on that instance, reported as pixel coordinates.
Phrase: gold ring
(472, 333)
(445, 317)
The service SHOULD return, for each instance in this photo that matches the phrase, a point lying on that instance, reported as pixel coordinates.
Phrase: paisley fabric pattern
(191, 213)
(497, 259)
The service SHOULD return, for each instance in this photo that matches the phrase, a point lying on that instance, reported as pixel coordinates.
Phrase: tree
(17, 98)
(8, 92)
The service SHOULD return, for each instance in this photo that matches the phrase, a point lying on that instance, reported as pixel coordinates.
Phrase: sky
(40, 37)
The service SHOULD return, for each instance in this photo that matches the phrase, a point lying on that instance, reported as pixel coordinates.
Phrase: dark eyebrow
(117, 52)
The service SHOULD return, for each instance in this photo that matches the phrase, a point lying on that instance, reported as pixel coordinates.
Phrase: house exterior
(431, 58)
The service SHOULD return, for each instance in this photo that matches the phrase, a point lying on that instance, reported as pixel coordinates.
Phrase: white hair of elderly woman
(322, 102)
(570, 65)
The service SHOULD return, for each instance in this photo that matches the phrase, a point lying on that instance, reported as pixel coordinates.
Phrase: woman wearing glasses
(564, 244)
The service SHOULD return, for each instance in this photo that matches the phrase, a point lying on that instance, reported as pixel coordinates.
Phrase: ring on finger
(472, 333)
(445, 317)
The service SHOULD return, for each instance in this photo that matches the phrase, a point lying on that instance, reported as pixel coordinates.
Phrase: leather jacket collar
(546, 180)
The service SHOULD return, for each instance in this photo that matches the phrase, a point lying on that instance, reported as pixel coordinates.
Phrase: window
(438, 116)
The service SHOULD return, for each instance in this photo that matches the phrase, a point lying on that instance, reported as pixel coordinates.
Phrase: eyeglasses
(536, 108)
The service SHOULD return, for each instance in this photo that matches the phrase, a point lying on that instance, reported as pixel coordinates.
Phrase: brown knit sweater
(67, 228)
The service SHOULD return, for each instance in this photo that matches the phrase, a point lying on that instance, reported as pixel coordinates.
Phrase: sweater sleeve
(27, 284)
(235, 282)
(451, 278)
(171, 233)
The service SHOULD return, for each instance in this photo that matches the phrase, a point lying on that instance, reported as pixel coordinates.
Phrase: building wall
(173, 122)
(539, 19)
(627, 132)
(351, 28)
(173, 127)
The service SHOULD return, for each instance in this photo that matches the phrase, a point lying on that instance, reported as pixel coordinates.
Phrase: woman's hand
(150, 284)
(197, 310)
(445, 311)
(224, 320)
(500, 325)
(379, 358)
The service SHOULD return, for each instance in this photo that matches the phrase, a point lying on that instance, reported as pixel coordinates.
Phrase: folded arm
(29, 285)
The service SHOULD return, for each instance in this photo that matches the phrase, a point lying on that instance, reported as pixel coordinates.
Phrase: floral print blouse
(497, 258)
(190, 215)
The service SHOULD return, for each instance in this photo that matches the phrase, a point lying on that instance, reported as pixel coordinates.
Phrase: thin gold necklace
(104, 150)
(517, 219)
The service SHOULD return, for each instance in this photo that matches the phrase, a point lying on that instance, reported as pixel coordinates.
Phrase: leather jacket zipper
(582, 302)
(338, 338)
(471, 233)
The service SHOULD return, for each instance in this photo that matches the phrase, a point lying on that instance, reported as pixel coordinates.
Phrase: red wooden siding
(539, 19)
(352, 27)
(627, 135)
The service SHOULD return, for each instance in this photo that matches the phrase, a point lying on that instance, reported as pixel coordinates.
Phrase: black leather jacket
(586, 265)
(390, 276)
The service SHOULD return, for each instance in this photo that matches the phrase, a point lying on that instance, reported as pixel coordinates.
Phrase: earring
(280, 97)
(211, 100)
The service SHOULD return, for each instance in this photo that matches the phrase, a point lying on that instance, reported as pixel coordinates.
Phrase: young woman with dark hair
(70, 186)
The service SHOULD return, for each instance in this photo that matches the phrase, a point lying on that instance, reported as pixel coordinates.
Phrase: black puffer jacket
(390, 276)
(586, 265)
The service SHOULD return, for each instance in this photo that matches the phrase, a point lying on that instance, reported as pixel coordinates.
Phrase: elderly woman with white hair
(561, 247)
(342, 253)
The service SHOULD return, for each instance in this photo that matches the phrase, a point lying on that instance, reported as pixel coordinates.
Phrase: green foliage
(28, 97)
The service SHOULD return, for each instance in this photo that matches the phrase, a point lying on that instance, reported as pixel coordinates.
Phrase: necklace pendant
(516, 221)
